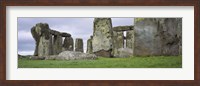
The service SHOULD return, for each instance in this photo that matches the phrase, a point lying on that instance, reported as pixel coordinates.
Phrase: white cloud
(26, 52)
(24, 35)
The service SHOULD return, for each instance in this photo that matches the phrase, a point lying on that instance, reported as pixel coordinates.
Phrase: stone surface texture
(72, 55)
(157, 36)
(57, 44)
(79, 45)
(102, 37)
(118, 42)
(68, 44)
(89, 45)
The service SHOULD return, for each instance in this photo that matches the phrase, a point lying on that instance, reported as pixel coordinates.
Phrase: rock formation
(57, 44)
(130, 40)
(48, 42)
(68, 44)
(42, 36)
(157, 36)
(89, 45)
(118, 42)
(148, 37)
(79, 45)
(119, 39)
(170, 32)
(102, 37)
(72, 55)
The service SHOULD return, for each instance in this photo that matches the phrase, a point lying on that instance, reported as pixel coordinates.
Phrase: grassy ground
(130, 62)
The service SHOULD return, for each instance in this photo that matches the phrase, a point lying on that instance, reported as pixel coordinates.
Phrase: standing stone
(89, 45)
(118, 42)
(57, 44)
(44, 39)
(147, 39)
(170, 31)
(79, 45)
(130, 40)
(158, 36)
(36, 37)
(68, 44)
(102, 37)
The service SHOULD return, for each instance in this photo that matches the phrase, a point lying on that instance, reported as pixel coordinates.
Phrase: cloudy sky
(77, 27)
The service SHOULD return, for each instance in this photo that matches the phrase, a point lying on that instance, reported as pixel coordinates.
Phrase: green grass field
(130, 62)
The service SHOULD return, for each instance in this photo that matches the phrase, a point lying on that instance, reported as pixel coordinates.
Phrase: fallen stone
(72, 55)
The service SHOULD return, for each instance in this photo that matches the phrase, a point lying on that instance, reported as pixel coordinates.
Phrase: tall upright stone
(147, 39)
(170, 31)
(157, 36)
(118, 42)
(42, 36)
(89, 45)
(68, 44)
(36, 37)
(57, 44)
(102, 37)
(79, 45)
(130, 40)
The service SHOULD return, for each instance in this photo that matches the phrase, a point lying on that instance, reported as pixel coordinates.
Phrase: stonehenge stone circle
(68, 44)
(47, 41)
(79, 45)
(102, 37)
(146, 37)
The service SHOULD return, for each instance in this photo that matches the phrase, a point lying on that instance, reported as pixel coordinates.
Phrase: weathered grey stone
(102, 37)
(147, 39)
(170, 32)
(130, 40)
(42, 32)
(72, 55)
(118, 42)
(89, 45)
(68, 44)
(54, 32)
(57, 44)
(124, 52)
(79, 45)
(65, 34)
(36, 37)
(122, 28)
(157, 36)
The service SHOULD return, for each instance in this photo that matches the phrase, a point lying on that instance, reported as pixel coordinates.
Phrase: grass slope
(131, 62)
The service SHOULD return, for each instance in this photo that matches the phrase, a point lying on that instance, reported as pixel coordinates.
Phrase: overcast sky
(77, 27)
